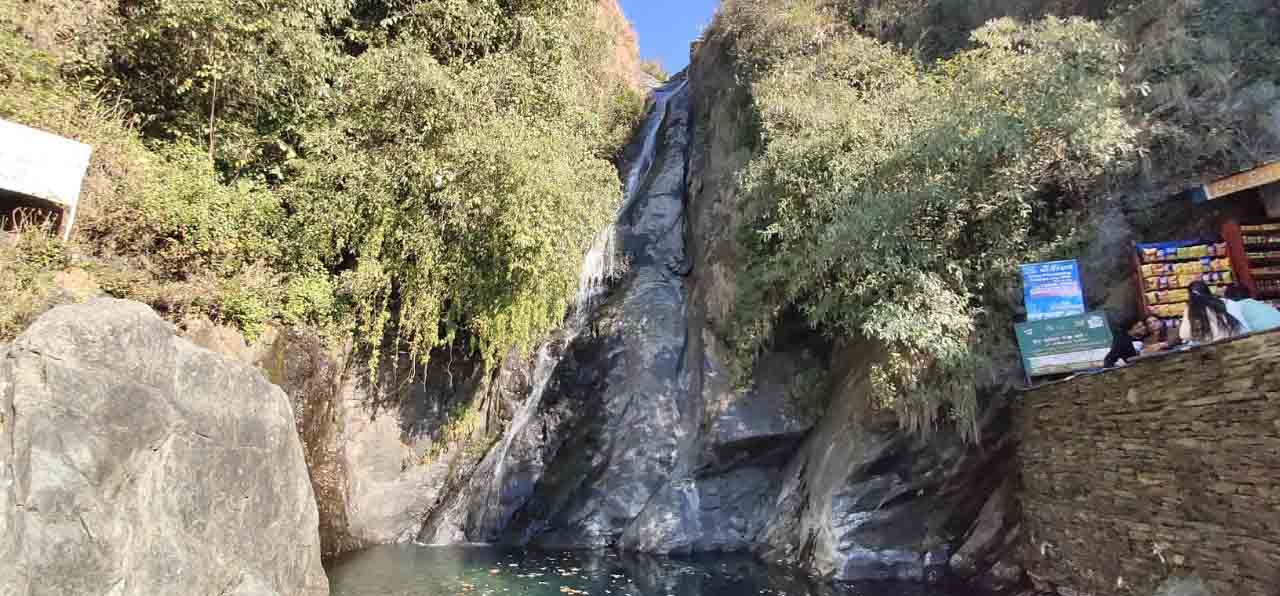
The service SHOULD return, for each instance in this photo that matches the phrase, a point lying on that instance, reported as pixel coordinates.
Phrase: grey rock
(987, 537)
(1183, 586)
(133, 462)
(399, 467)
(605, 436)
(1002, 577)
(715, 514)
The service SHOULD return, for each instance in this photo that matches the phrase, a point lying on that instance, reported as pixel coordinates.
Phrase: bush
(1208, 77)
(184, 222)
(469, 214)
(415, 171)
(239, 74)
(654, 69)
(891, 196)
(27, 264)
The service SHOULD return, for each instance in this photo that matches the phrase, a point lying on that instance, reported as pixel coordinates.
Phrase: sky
(666, 27)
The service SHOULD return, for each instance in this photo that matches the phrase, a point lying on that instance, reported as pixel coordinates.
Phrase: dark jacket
(1121, 348)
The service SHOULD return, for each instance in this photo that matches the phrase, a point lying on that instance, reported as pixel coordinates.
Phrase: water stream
(506, 477)
(598, 267)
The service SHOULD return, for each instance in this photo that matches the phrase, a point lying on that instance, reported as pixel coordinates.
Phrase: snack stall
(1246, 253)
(1164, 271)
(1255, 248)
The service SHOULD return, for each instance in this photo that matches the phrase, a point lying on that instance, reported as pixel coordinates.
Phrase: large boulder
(133, 462)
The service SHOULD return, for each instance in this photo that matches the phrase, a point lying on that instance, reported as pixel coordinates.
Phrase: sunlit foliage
(890, 194)
(410, 172)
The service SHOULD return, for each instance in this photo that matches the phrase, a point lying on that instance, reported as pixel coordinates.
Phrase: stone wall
(1168, 467)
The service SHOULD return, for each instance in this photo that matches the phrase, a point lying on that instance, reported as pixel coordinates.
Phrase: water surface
(403, 570)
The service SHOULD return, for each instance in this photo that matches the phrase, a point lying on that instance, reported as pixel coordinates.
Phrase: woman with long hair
(1206, 317)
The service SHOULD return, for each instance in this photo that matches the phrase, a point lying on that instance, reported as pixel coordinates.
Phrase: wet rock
(1002, 577)
(988, 537)
(1183, 586)
(715, 514)
(133, 462)
(403, 459)
(605, 436)
(504, 481)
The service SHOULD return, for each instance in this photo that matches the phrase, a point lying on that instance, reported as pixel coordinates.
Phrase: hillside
(415, 172)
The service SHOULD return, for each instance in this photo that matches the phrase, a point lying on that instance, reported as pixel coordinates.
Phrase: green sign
(1064, 345)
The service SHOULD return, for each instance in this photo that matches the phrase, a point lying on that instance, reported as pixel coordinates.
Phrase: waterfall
(599, 265)
(601, 262)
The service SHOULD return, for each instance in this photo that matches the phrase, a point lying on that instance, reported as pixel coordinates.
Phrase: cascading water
(501, 489)
(599, 265)
(601, 261)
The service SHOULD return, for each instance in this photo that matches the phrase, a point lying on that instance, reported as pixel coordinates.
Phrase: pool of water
(404, 570)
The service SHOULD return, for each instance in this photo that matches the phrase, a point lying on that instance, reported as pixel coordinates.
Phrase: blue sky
(666, 27)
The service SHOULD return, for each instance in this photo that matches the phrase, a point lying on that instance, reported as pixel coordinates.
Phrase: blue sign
(1052, 290)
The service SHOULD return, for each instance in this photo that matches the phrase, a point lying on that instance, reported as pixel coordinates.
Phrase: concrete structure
(1165, 468)
(39, 169)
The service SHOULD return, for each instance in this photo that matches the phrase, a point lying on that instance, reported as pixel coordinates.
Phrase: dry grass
(75, 31)
(28, 262)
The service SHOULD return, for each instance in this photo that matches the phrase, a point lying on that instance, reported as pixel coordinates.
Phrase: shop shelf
(1150, 288)
(1185, 260)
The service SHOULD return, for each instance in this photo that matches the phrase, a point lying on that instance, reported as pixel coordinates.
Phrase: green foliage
(185, 221)
(413, 171)
(250, 69)
(1208, 73)
(470, 212)
(26, 279)
(891, 197)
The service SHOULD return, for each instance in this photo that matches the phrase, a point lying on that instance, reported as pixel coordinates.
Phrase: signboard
(1242, 181)
(1052, 290)
(1064, 345)
(43, 166)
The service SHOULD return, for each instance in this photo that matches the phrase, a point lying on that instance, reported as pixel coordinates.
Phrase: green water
(483, 571)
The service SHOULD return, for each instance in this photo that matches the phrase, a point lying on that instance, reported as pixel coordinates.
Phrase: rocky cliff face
(643, 441)
(625, 62)
(133, 462)
(629, 430)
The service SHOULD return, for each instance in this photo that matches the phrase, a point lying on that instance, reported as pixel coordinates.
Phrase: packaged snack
(1150, 254)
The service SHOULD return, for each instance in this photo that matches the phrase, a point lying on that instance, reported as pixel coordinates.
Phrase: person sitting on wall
(1143, 337)
(1256, 315)
(1207, 318)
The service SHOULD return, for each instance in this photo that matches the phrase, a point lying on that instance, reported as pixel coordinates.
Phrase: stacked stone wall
(1168, 467)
